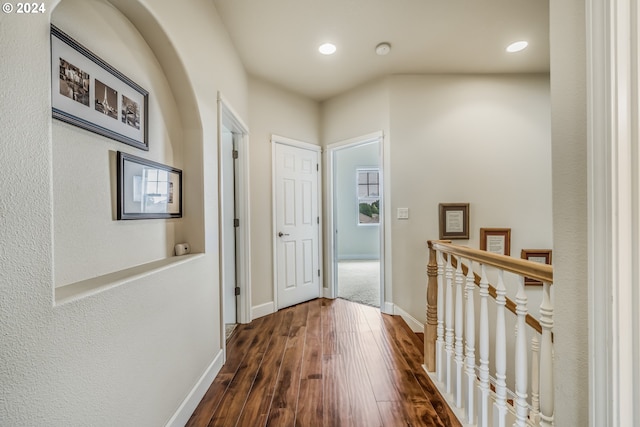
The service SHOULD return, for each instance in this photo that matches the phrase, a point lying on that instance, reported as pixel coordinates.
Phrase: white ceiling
(277, 40)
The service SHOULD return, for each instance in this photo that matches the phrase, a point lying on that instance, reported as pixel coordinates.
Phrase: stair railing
(450, 337)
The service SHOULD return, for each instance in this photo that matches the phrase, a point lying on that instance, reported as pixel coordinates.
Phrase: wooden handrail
(522, 267)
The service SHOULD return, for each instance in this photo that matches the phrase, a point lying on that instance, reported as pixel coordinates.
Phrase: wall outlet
(403, 213)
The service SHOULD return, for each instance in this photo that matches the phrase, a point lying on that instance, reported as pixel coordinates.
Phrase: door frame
(330, 289)
(277, 139)
(226, 114)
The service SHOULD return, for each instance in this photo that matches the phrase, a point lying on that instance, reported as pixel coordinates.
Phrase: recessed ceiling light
(327, 49)
(517, 46)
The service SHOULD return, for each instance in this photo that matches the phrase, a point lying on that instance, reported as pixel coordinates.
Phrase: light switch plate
(403, 213)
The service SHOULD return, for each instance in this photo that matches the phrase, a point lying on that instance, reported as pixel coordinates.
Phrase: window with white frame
(368, 190)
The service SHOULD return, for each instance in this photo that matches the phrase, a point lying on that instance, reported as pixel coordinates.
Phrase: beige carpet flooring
(359, 281)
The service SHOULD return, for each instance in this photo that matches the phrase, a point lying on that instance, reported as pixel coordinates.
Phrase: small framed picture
(454, 221)
(147, 189)
(496, 240)
(91, 94)
(543, 256)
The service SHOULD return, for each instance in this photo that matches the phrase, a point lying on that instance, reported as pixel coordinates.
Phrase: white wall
(569, 131)
(485, 140)
(88, 242)
(80, 363)
(272, 111)
(354, 241)
(359, 112)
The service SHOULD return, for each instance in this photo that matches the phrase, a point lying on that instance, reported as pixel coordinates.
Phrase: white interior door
(297, 225)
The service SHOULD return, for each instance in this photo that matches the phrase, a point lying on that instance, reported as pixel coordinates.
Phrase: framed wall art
(454, 221)
(543, 256)
(496, 240)
(89, 93)
(147, 189)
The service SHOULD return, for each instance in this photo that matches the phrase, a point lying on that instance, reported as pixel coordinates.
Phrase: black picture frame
(454, 221)
(147, 189)
(89, 93)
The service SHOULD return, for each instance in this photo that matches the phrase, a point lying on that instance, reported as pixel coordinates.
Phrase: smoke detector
(383, 48)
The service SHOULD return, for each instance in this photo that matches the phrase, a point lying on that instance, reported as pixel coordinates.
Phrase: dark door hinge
(318, 272)
(237, 290)
(235, 154)
(236, 222)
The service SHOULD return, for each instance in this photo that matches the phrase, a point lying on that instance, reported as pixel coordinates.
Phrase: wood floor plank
(232, 403)
(392, 414)
(329, 363)
(285, 398)
(411, 351)
(235, 354)
(361, 399)
(310, 401)
(258, 403)
(336, 411)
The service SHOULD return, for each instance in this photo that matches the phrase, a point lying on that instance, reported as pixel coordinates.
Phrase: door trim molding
(330, 290)
(613, 210)
(277, 139)
(243, 241)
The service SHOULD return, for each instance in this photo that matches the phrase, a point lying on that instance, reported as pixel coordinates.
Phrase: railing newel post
(430, 327)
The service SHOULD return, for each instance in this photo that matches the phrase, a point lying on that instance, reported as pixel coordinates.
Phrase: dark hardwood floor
(330, 363)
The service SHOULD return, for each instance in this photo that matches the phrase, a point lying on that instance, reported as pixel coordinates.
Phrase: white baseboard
(326, 293)
(189, 404)
(414, 324)
(387, 308)
(262, 310)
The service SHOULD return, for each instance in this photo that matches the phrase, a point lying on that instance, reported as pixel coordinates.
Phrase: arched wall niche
(88, 241)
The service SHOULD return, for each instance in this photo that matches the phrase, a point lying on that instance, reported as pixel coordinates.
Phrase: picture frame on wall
(496, 240)
(543, 256)
(89, 93)
(147, 189)
(454, 221)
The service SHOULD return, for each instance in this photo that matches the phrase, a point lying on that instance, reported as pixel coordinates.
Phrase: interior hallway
(323, 363)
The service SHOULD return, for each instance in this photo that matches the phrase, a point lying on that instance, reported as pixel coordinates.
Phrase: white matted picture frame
(496, 240)
(89, 93)
(454, 221)
(543, 256)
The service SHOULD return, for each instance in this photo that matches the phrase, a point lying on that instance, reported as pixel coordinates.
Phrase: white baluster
(521, 363)
(546, 359)
(534, 415)
(500, 404)
(459, 330)
(440, 328)
(470, 350)
(483, 371)
(448, 325)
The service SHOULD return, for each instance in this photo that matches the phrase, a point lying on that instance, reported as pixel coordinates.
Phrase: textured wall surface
(569, 126)
(127, 356)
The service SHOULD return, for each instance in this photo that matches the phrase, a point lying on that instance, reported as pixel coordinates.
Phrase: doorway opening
(235, 278)
(357, 220)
